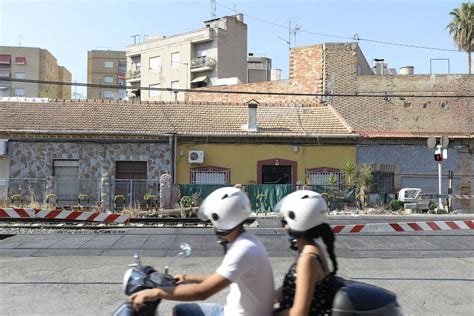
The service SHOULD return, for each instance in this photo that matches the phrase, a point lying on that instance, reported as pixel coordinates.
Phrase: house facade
(107, 68)
(394, 114)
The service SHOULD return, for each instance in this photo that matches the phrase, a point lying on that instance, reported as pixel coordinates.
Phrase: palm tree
(460, 29)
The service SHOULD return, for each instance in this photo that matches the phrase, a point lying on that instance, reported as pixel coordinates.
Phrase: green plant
(349, 171)
(432, 205)
(261, 203)
(396, 205)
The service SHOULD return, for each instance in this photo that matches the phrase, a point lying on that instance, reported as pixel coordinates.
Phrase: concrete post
(105, 191)
(165, 191)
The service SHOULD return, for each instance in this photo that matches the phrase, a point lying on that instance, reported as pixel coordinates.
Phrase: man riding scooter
(245, 268)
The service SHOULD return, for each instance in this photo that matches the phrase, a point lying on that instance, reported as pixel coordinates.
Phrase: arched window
(210, 175)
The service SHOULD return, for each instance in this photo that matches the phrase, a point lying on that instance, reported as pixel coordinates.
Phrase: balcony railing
(202, 62)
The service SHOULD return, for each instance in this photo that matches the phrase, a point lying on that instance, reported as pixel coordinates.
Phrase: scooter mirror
(186, 249)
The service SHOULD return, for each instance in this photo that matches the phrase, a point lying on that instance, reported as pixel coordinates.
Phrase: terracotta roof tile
(160, 118)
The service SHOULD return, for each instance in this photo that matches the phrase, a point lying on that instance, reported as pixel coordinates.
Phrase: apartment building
(213, 55)
(32, 63)
(259, 68)
(107, 68)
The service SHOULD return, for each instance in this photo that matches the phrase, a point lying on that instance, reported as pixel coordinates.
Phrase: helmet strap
(292, 241)
(221, 233)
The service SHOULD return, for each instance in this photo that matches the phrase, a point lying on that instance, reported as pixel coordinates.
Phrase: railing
(135, 193)
(200, 62)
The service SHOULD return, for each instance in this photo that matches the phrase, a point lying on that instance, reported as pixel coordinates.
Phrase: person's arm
(189, 278)
(306, 270)
(186, 292)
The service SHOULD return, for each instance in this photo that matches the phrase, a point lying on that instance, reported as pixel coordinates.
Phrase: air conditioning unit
(3, 147)
(196, 156)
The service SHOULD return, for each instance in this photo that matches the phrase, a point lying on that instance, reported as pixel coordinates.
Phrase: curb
(404, 227)
(63, 215)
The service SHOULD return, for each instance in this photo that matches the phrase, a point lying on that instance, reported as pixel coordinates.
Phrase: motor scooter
(139, 277)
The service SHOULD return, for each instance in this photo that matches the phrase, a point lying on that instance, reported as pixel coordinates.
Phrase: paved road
(80, 274)
(163, 242)
(89, 285)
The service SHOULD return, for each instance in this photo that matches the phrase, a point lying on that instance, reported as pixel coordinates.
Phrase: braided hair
(325, 232)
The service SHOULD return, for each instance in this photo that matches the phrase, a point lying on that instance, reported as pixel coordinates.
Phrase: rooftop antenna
(19, 40)
(108, 48)
(296, 29)
(135, 38)
(213, 9)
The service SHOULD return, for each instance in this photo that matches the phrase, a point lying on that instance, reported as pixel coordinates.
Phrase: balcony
(134, 75)
(199, 64)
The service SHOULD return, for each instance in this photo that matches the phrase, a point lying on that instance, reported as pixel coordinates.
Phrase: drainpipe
(175, 149)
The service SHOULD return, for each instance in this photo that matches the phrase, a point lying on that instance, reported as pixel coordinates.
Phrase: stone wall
(35, 160)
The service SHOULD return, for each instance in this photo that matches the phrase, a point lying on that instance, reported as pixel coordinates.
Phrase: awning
(5, 59)
(20, 60)
(199, 79)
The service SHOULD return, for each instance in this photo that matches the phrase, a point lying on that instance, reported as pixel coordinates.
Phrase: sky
(70, 28)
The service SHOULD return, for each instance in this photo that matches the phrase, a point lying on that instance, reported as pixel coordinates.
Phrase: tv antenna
(135, 38)
(213, 9)
(19, 40)
(296, 29)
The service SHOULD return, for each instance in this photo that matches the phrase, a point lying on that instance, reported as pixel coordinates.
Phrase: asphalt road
(432, 273)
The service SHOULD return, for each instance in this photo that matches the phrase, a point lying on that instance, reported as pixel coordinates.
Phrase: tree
(359, 176)
(460, 29)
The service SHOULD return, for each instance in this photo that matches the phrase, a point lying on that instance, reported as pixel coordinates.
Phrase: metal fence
(135, 193)
(75, 192)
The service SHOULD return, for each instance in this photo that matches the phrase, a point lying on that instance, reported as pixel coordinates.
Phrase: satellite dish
(444, 141)
(431, 142)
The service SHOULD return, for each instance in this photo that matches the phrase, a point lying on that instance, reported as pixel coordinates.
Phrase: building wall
(64, 91)
(232, 50)
(35, 159)
(96, 71)
(31, 69)
(242, 159)
(305, 77)
(417, 168)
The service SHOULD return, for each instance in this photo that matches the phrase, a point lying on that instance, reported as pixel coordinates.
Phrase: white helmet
(226, 208)
(303, 210)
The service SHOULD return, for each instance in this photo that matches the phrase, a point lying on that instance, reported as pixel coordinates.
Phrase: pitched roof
(159, 118)
(412, 117)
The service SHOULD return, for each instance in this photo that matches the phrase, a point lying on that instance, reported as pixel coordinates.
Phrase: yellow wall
(242, 158)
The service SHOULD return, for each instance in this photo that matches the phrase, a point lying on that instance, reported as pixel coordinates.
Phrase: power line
(349, 95)
(355, 37)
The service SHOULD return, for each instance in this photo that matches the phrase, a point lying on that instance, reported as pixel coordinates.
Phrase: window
(175, 84)
(321, 176)
(20, 60)
(155, 63)
(210, 175)
(108, 94)
(108, 79)
(5, 59)
(201, 53)
(20, 75)
(20, 92)
(383, 182)
(175, 60)
(155, 93)
(4, 73)
(108, 64)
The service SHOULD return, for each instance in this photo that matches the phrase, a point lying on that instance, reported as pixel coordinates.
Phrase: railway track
(32, 223)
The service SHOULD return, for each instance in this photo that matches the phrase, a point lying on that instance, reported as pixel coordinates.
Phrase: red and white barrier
(64, 215)
(403, 227)
(17, 212)
(82, 216)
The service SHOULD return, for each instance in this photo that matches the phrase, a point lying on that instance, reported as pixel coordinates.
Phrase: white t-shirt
(247, 266)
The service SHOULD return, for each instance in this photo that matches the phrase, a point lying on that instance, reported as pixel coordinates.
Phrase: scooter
(139, 277)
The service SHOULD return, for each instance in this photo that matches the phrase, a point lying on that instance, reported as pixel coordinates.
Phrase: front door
(276, 174)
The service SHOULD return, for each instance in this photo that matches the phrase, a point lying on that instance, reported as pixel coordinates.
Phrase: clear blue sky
(69, 28)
